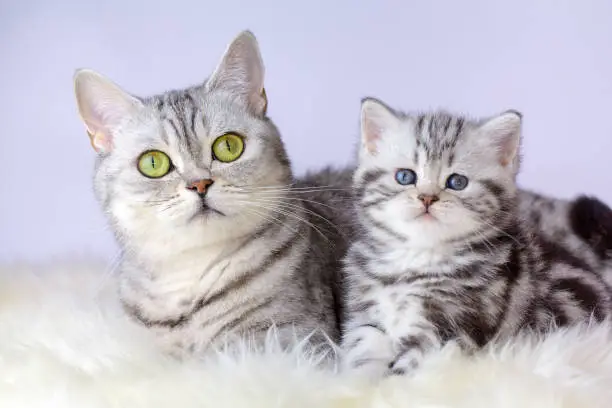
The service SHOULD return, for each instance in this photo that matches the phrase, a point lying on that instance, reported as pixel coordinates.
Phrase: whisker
(159, 201)
(487, 243)
(299, 207)
(293, 189)
(300, 199)
(253, 188)
(271, 218)
(170, 206)
(488, 224)
(284, 211)
(290, 187)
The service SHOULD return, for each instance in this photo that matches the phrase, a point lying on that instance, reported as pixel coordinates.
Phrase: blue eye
(405, 177)
(456, 182)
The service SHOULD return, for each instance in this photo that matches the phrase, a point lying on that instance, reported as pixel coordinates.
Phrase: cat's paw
(406, 363)
(368, 368)
(368, 353)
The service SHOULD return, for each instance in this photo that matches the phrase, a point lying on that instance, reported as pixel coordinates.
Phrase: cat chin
(164, 240)
(205, 215)
(427, 219)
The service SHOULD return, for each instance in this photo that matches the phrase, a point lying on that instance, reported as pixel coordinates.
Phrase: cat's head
(436, 177)
(187, 167)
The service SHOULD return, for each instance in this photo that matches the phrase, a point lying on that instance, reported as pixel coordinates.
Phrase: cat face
(435, 178)
(187, 167)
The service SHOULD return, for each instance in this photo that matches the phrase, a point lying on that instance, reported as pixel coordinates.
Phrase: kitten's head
(435, 178)
(186, 167)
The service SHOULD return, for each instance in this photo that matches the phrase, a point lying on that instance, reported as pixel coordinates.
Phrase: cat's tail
(591, 220)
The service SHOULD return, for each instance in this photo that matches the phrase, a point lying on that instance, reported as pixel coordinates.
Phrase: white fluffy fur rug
(65, 343)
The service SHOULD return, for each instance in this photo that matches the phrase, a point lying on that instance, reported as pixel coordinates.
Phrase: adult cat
(218, 239)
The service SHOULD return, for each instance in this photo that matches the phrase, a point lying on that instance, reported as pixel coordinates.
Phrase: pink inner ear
(99, 134)
(372, 134)
(508, 149)
(259, 102)
(264, 97)
(99, 137)
(99, 142)
(505, 160)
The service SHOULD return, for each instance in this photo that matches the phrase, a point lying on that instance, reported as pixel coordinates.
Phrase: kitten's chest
(398, 309)
(407, 287)
(406, 261)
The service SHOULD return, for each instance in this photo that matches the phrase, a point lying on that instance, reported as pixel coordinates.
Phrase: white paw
(370, 369)
(406, 363)
(369, 353)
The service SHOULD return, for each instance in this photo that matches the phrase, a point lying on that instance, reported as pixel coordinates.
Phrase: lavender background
(550, 59)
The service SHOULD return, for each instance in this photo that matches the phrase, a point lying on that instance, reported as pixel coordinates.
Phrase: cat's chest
(405, 261)
(185, 277)
(396, 308)
(175, 285)
(401, 281)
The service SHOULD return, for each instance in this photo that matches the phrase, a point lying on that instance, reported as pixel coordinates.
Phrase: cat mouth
(205, 208)
(426, 216)
(205, 211)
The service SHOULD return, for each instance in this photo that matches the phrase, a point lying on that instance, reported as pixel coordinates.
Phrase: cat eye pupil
(228, 147)
(456, 182)
(405, 177)
(154, 164)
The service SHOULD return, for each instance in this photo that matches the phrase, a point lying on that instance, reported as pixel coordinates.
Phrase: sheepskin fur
(66, 343)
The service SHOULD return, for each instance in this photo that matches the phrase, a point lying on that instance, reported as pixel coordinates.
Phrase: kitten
(218, 240)
(444, 253)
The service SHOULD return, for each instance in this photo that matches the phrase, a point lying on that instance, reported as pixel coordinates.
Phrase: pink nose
(200, 186)
(428, 199)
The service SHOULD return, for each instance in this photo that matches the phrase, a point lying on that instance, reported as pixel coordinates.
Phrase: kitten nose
(428, 199)
(200, 186)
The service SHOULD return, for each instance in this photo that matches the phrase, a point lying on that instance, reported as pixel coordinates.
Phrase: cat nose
(200, 186)
(428, 199)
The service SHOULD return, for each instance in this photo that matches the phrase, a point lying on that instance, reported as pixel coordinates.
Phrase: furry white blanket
(64, 342)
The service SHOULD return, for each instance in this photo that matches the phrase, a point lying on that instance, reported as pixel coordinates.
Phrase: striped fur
(482, 264)
(262, 249)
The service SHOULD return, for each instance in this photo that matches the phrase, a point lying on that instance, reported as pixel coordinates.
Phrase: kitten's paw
(368, 368)
(406, 363)
(368, 353)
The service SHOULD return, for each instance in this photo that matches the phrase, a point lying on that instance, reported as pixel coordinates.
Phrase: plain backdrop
(550, 59)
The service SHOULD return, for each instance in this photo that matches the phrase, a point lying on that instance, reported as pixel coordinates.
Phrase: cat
(572, 223)
(450, 250)
(219, 242)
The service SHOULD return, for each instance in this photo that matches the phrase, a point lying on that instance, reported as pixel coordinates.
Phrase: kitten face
(235, 195)
(436, 178)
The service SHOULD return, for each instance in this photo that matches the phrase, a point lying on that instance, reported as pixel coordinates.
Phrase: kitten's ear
(103, 107)
(241, 71)
(503, 134)
(376, 119)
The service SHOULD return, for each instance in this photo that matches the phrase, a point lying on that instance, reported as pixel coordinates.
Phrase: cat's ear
(503, 134)
(241, 72)
(376, 119)
(103, 107)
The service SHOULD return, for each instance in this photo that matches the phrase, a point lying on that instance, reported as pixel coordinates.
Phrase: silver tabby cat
(451, 250)
(217, 237)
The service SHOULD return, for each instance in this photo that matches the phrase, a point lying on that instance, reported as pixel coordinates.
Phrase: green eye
(228, 147)
(154, 164)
